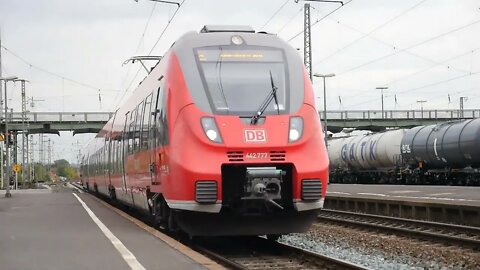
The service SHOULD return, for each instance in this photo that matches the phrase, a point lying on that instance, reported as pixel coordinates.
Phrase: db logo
(255, 135)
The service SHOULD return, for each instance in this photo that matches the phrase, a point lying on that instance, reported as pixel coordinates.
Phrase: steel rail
(450, 233)
(261, 253)
(256, 252)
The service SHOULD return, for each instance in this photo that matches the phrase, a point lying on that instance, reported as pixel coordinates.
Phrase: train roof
(209, 35)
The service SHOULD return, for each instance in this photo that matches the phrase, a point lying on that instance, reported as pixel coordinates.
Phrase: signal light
(7, 138)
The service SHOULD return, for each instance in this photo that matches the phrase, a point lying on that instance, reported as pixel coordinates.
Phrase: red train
(221, 138)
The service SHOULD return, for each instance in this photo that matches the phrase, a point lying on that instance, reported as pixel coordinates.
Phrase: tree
(41, 173)
(71, 173)
(61, 166)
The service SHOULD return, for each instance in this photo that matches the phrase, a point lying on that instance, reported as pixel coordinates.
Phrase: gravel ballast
(378, 250)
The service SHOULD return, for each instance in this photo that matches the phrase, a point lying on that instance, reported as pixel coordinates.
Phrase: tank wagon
(221, 138)
(447, 153)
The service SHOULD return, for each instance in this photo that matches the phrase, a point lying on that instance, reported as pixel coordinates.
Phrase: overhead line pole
(307, 37)
(307, 41)
(7, 157)
(1, 111)
(382, 88)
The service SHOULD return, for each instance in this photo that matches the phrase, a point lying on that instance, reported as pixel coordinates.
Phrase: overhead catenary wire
(364, 35)
(53, 73)
(420, 87)
(409, 47)
(319, 20)
(437, 97)
(166, 27)
(140, 41)
(274, 14)
(151, 50)
(290, 20)
(436, 63)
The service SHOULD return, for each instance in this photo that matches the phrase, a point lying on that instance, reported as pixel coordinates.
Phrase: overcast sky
(72, 51)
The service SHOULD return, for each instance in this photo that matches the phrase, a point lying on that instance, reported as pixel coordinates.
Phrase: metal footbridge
(54, 122)
(375, 120)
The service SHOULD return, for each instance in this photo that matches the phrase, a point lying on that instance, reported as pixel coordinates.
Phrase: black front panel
(234, 180)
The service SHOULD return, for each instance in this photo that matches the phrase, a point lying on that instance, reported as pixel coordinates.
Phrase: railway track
(251, 252)
(260, 253)
(464, 236)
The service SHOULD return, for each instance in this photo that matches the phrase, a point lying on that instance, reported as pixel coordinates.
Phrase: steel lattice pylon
(307, 53)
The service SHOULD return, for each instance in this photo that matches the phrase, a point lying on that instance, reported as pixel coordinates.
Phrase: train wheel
(172, 224)
(111, 192)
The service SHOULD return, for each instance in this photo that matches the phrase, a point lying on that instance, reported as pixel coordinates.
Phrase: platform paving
(453, 195)
(52, 230)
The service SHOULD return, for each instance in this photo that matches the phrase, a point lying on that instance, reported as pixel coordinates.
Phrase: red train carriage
(221, 138)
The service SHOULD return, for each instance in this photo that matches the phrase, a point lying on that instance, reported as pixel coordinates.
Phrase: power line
(290, 20)
(421, 87)
(422, 70)
(395, 48)
(364, 35)
(136, 51)
(166, 27)
(470, 96)
(158, 39)
(142, 37)
(319, 20)
(274, 14)
(53, 73)
(437, 64)
(409, 47)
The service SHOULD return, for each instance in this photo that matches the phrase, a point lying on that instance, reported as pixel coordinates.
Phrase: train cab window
(238, 80)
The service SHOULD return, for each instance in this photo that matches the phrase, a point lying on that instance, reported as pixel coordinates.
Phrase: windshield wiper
(271, 96)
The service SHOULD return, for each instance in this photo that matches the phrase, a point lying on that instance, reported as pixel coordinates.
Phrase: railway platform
(452, 204)
(64, 228)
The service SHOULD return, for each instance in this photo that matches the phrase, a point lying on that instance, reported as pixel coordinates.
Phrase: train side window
(146, 122)
(125, 137)
(138, 125)
(111, 154)
(131, 132)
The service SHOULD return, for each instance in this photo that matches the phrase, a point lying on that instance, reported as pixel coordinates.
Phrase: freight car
(445, 154)
(221, 138)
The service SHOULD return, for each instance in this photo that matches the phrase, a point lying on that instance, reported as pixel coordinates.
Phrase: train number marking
(255, 135)
(256, 155)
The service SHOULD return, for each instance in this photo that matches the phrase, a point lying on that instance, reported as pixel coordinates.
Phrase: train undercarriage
(417, 176)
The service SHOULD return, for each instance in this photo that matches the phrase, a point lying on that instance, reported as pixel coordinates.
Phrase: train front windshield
(237, 81)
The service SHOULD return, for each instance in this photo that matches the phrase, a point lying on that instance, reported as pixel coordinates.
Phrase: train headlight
(296, 129)
(210, 128)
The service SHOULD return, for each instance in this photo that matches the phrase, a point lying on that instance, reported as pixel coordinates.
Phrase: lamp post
(324, 100)
(382, 88)
(421, 105)
(462, 101)
(7, 157)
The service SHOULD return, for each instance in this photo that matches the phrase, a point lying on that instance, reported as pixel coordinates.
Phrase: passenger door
(155, 136)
